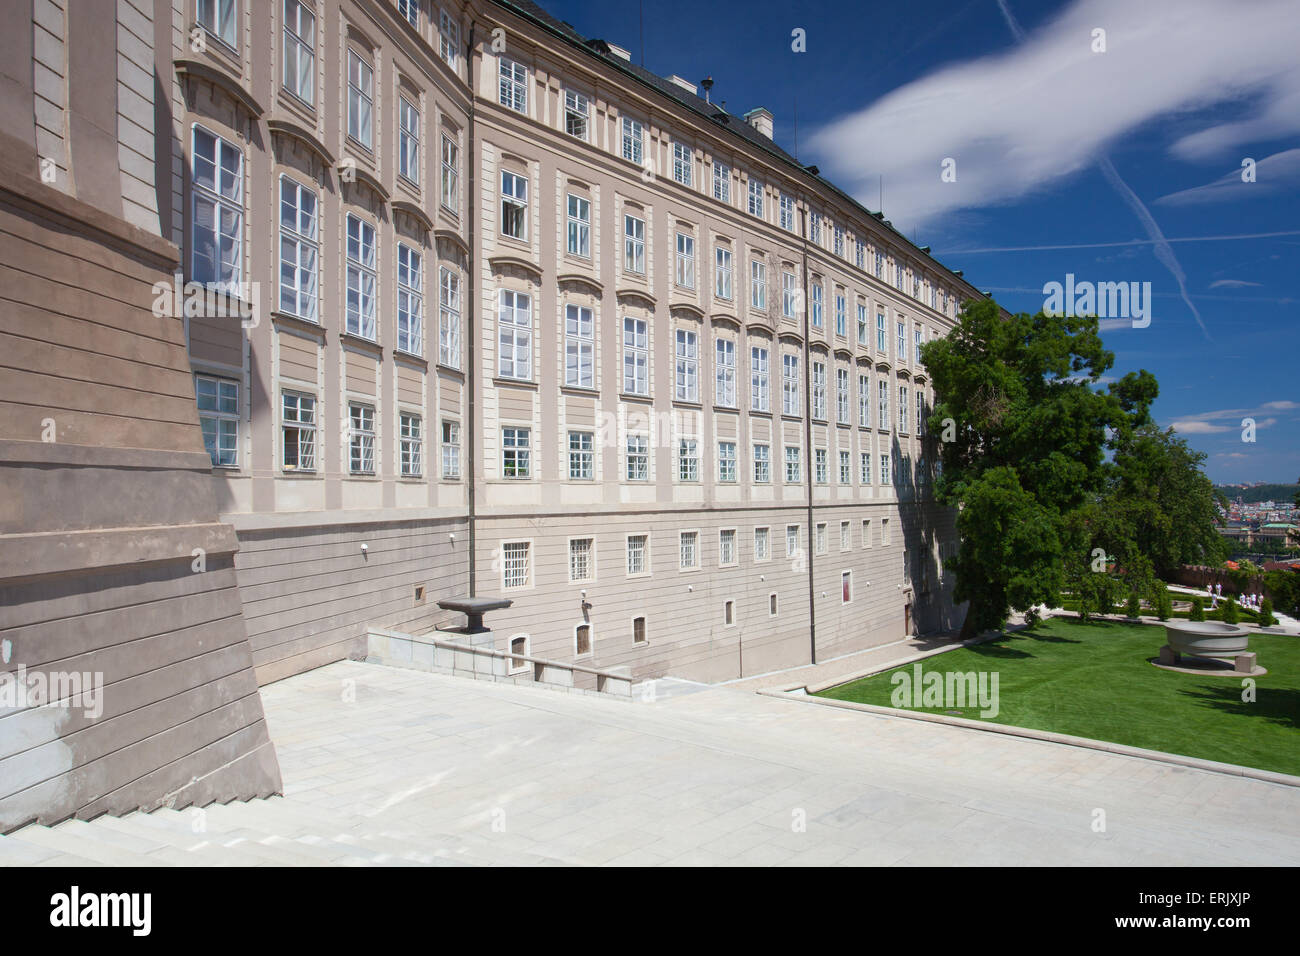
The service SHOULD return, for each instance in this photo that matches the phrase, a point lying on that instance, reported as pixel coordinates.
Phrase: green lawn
(1093, 680)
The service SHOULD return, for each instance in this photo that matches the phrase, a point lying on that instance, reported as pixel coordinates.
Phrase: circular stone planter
(1207, 640)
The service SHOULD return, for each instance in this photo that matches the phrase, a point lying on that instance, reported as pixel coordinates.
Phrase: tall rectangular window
(579, 347)
(722, 183)
(841, 316)
(448, 317)
(863, 332)
(634, 244)
(450, 449)
(217, 223)
(789, 294)
(685, 261)
(448, 38)
(864, 401)
(755, 198)
(515, 335)
(793, 464)
(792, 548)
(218, 400)
(450, 174)
(821, 537)
(842, 396)
(217, 17)
(886, 478)
(410, 300)
(839, 241)
(638, 558)
(727, 546)
(817, 293)
(582, 567)
(299, 250)
(411, 448)
(917, 338)
(762, 464)
(902, 342)
(633, 140)
(299, 51)
(724, 360)
(361, 278)
(758, 284)
(790, 385)
(361, 439)
(516, 452)
(636, 357)
(411, 10)
(514, 205)
(820, 471)
(787, 212)
(361, 102)
(846, 468)
(689, 542)
(819, 391)
(577, 113)
(859, 256)
(759, 380)
(512, 86)
(902, 409)
(882, 344)
(408, 140)
(920, 412)
(762, 544)
(582, 456)
(687, 377)
(815, 229)
(722, 273)
(298, 431)
(864, 470)
(515, 565)
(579, 236)
(727, 461)
(882, 409)
(688, 459)
(683, 163)
(638, 458)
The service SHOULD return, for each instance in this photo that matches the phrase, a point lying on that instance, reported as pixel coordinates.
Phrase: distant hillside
(1278, 493)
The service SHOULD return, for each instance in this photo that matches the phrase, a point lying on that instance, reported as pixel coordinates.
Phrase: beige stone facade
(618, 292)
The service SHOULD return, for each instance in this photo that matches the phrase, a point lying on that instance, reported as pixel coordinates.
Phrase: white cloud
(1199, 428)
(1273, 174)
(1017, 121)
(1231, 284)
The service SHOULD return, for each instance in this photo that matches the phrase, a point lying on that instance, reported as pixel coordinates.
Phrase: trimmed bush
(1198, 610)
(1266, 618)
(1230, 615)
(1164, 604)
(1134, 606)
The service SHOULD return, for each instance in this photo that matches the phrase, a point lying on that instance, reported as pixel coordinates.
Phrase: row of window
(518, 461)
(514, 224)
(220, 413)
(513, 91)
(517, 564)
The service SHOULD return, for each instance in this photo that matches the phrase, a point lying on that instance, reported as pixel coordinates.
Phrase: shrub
(1266, 618)
(1134, 606)
(1230, 615)
(1164, 604)
(1198, 609)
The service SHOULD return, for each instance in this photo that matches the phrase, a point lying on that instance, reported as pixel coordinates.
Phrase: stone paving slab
(725, 775)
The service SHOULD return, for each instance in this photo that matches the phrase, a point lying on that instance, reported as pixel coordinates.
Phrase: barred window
(412, 445)
(582, 567)
(361, 439)
(515, 565)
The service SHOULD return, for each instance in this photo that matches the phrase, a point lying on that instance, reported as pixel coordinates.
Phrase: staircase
(275, 831)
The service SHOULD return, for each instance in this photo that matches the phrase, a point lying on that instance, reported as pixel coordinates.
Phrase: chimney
(687, 85)
(619, 51)
(761, 120)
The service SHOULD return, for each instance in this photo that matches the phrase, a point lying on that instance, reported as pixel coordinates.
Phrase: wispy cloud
(1018, 121)
(1231, 284)
(1273, 174)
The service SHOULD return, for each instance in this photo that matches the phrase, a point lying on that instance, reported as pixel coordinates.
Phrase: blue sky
(1134, 152)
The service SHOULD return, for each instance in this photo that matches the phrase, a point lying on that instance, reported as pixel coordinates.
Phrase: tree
(1266, 618)
(1016, 396)
(1230, 615)
(1198, 610)
(1284, 586)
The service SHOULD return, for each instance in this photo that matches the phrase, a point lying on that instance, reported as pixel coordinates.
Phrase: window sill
(633, 397)
(583, 390)
(517, 382)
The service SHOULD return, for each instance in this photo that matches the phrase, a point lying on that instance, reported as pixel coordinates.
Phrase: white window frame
(224, 414)
(633, 244)
(685, 275)
(579, 346)
(724, 372)
(361, 100)
(410, 452)
(632, 140)
(760, 380)
(577, 115)
(516, 449)
(225, 197)
(362, 431)
(722, 273)
(408, 140)
(302, 238)
(722, 182)
(514, 204)
(525, 550)
(298, 75)
(410, 300)
(515, 335)
(683, 164)
(762, 463)
(790, 398)
(636, 356)
(362, 278)
(512, 84)
(686, 375)
(448, 317)
(450, 441)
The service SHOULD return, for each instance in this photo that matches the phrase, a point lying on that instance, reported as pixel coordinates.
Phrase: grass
(1094, 680)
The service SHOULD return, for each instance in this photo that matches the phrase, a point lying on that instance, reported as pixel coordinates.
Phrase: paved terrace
(389, 766)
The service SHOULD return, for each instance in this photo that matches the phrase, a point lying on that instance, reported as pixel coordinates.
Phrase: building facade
(536, 323)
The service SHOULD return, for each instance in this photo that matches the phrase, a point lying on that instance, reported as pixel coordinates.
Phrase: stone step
(69, 842)
(16, 853)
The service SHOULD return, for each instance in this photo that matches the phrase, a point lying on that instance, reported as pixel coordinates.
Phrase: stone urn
(1207, 640)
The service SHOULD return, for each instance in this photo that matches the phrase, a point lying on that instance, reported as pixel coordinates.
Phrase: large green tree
(1021, 432)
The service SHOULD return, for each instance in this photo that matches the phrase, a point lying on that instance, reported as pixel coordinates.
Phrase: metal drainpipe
(807, 431)
(471, 373)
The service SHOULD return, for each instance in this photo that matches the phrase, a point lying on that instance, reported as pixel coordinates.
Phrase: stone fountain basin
(1210, 639)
